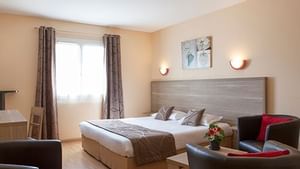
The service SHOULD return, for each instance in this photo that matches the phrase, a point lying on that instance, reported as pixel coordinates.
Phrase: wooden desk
(2, 97)
(180, 161)
(12, 125)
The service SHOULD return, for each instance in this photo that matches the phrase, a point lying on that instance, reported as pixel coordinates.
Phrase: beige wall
(18, 65)
(265, 31)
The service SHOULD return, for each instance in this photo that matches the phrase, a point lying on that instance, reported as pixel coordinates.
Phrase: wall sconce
(163, 70)
(237, 63)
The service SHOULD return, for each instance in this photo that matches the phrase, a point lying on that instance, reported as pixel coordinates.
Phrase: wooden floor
(75, 158)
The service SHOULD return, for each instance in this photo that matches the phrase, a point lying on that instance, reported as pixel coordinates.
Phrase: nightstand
(234, 137)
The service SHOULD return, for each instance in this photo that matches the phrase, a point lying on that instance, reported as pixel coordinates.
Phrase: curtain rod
(75, 32)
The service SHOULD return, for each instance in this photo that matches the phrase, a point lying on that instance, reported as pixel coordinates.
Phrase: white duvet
(121, 145)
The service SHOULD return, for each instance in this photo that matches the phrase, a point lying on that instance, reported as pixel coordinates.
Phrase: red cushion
(267, 120)
(262, 154)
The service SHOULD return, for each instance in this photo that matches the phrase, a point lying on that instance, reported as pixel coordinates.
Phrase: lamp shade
(237, 63)
(163, 70)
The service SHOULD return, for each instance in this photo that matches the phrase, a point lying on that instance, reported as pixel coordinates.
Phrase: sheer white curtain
(79, 70)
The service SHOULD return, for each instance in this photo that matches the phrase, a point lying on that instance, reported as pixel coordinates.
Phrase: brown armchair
(249, 127)
(203, 158)
(30, 154)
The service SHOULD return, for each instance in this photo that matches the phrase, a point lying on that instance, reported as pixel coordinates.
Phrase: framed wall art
(196, 53)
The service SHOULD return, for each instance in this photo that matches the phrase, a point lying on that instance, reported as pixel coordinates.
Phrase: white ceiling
(142, 15)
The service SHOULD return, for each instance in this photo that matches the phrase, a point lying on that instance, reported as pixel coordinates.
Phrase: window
(79, 67)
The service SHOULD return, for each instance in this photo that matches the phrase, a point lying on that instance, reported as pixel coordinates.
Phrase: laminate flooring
(74, 157)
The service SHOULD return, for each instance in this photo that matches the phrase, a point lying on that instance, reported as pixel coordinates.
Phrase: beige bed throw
(148, 145)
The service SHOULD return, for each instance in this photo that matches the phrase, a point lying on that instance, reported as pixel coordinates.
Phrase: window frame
(80, 97)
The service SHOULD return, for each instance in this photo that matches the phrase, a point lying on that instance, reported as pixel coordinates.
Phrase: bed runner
(148, 145)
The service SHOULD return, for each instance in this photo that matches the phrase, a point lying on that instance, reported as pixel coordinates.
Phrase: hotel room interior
(152, 84)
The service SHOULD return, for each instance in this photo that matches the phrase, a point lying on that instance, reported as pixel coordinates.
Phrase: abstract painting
(196, 53)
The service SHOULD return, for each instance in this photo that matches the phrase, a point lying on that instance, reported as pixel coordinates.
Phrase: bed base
(116, 161)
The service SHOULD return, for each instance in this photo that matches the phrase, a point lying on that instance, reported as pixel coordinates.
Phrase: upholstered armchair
(10, 166)
(249, 128)
(30, 154)
(202, 158)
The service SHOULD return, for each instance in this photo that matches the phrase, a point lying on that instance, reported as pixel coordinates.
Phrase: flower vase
(214, 145)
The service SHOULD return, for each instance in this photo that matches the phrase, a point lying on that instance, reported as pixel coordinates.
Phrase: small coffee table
(180, 161)
(225, 150)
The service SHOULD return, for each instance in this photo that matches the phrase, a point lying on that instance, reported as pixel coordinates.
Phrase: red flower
(214, 133)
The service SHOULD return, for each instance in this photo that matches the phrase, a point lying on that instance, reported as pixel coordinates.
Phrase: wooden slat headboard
(231, 98)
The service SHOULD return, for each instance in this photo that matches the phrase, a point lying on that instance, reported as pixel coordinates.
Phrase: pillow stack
(191, 118)
(164, 113)
(208, 119)
(177, 115)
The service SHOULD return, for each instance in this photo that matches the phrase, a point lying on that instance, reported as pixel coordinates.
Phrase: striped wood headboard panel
(230, 97)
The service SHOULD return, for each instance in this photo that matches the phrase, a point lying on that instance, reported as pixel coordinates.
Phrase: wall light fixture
(237, 63)
(163, 70)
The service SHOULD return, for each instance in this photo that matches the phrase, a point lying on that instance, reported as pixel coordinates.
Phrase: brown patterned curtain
(45, 86)
(113, 98)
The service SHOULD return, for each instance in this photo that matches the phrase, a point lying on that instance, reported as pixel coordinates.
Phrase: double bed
(227, 97)
(118, 144)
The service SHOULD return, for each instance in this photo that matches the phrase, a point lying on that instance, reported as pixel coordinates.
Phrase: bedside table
(234, 137)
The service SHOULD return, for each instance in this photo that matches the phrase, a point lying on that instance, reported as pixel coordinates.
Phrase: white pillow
(208, 119)
(181, 120)
(153, 114)
(177, 115)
